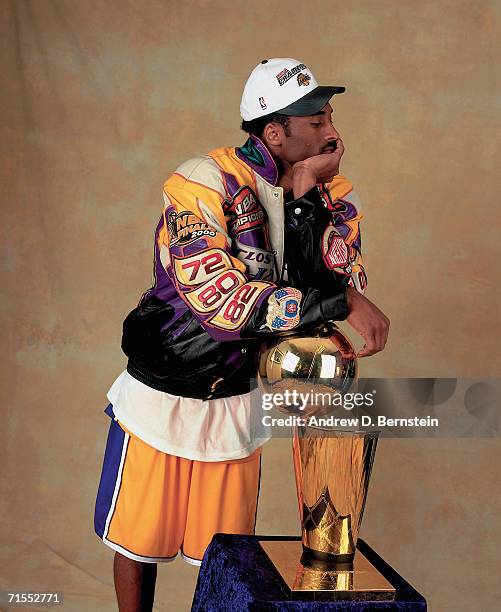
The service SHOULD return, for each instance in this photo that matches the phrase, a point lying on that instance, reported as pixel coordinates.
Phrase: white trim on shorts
(190, 560)
(134, 557)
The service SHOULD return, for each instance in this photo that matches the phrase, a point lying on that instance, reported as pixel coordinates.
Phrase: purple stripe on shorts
(111, 465)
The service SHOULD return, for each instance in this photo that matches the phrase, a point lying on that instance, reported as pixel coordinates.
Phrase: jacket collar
(256, 155)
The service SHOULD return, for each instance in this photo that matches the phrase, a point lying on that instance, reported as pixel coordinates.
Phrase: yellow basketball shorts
(151, 505)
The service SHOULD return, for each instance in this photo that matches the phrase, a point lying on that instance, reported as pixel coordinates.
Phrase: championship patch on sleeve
(185, 227)
(235, 311)
(334, 250)
(244, 210)
(284, 309)
(213, 293)
(201, 267)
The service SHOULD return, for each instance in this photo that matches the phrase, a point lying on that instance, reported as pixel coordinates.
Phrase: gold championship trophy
(332, 468)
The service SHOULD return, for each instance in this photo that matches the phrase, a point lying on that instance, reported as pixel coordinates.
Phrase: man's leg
(134, 584)
(140, 509)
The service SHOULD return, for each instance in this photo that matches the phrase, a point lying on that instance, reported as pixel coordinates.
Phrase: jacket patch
(237, 310)
(284, 309)
(211, 295)
(185, 227)
(244, 211)
(362, 280)
(201, 267)
(334, 250)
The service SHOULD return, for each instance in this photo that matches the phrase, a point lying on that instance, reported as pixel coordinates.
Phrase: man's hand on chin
(320, 168)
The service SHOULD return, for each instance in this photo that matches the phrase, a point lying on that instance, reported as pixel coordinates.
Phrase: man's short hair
(256, 126)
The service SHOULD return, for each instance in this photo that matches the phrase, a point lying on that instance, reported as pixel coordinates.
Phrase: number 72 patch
(201, 267)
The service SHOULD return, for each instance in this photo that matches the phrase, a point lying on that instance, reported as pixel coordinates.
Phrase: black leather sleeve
(306, 219)
(314, 311)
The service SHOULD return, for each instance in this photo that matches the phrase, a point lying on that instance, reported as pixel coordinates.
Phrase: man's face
(309, 136)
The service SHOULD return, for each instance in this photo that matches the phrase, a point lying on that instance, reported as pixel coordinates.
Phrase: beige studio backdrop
(100, 102)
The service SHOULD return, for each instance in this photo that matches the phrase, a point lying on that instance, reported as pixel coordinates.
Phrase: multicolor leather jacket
(225, 243)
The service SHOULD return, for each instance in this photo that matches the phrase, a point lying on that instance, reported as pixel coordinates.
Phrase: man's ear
(273, 134)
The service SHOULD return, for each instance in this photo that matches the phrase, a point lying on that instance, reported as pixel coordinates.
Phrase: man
(253, 241)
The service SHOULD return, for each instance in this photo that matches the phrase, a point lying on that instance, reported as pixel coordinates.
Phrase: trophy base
(363, 582)
(325, 561)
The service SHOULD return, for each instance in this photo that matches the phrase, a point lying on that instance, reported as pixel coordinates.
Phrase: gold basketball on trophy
(323, 362)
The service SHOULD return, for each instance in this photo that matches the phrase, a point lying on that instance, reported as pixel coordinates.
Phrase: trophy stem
(332, 470)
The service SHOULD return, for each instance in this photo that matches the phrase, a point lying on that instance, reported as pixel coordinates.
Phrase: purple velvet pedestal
(236, 575)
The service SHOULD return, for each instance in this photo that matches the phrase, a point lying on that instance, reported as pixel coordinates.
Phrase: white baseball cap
(286, 86)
